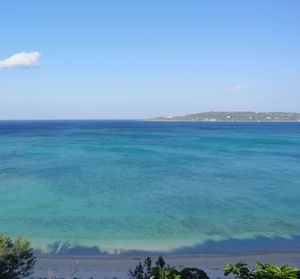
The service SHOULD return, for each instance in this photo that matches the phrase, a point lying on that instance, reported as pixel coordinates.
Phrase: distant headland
(233, 116)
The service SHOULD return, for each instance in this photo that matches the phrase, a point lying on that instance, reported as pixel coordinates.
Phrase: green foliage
(166, 273)
(263, 271)
(239, 270)
(193, 273)
(163, 271)
(275, 271)
(146, 270)
(142, 271)
(16, 258)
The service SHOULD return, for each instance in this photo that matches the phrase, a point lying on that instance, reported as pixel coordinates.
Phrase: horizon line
(138, 119)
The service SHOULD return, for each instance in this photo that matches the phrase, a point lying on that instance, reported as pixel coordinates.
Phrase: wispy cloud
(21, 60)
(237, 87)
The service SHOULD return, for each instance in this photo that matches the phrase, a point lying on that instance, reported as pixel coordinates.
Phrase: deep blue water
(151, 186)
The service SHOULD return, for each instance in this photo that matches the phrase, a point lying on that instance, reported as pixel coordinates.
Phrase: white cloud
(237, 87)
(21, 60)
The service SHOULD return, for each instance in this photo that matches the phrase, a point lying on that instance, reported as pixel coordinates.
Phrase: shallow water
(129, 185)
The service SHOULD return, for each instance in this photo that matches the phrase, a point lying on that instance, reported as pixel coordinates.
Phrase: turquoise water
(128, 185)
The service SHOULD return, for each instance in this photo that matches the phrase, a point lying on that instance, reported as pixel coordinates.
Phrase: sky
(135, 59)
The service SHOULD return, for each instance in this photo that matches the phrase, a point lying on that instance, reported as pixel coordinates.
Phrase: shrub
(275, 271)
(146, 270)
(263, 271)
(163, 271)
(239, 270)
(193, 273)
(16, 258)
(142, 271)
(166, 273)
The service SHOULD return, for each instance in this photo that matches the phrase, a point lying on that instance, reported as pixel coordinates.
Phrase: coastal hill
(234, 116)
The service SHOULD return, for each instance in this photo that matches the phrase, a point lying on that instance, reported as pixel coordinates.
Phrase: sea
(128, 187)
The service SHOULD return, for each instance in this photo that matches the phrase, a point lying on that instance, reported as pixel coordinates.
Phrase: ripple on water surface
(130, 185)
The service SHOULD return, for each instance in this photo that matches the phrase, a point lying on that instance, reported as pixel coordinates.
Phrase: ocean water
(119, 186)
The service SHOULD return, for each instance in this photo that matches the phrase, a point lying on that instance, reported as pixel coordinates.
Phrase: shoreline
(230, 246)
(118, 266)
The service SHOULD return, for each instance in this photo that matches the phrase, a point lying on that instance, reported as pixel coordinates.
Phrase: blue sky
(139, 59)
